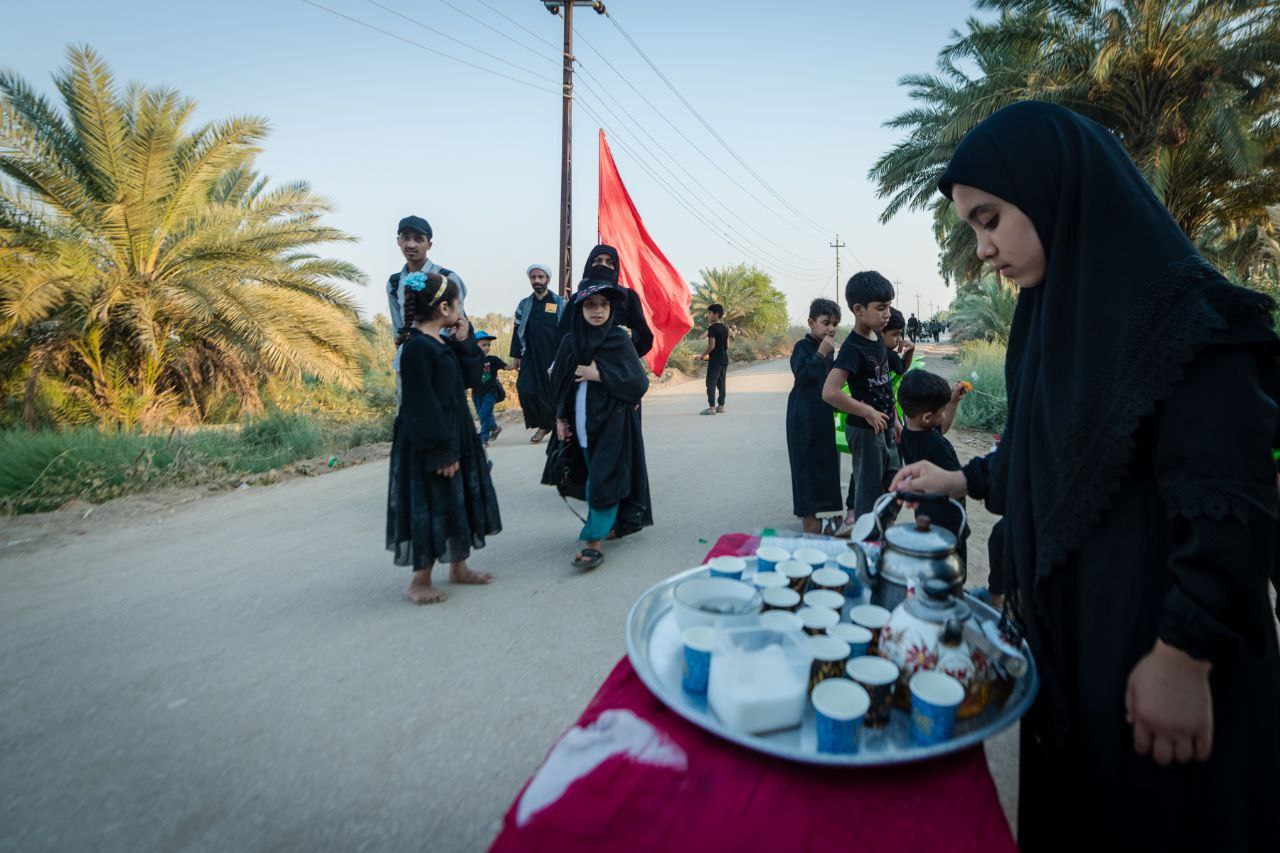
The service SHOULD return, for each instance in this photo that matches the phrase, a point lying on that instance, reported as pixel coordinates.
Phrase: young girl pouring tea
(599, 382)
(440, 502)
(1138, 494)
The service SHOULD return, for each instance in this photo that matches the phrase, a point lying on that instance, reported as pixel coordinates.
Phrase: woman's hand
(587, 373)
(929, 479)
(1170, 706)
(563, 430)
(448, 471)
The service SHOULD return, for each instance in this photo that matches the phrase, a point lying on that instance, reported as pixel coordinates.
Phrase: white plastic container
(759, 679)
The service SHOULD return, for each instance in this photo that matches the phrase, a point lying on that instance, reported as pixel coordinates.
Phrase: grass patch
(44, 470)
(987, 409)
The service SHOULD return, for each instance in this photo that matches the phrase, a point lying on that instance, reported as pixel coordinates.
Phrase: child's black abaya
(811, 434)
(1139, 496)
(431, 517)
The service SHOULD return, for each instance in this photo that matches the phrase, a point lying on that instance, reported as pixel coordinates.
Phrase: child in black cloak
(603, 266)
(930, 406)
(599, 382)
(440, 500)
(1138, 495)
(811, 443)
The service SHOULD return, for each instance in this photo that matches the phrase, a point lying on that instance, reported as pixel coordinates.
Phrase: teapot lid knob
(937, 589)
(923, 522)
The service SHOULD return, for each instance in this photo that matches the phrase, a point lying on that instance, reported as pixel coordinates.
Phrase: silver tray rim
(654, 604)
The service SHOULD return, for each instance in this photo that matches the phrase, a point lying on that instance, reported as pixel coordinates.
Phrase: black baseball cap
(415, 223)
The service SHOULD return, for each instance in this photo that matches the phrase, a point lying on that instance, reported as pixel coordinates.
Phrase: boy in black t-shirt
(930, 406)
(490, 391)
(863, 363)
(717, 358)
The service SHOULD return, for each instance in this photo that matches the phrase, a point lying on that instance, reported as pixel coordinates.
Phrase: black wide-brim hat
(593, 287)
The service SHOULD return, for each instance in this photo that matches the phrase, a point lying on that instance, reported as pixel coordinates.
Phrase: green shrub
(276, 438)
(987, 406)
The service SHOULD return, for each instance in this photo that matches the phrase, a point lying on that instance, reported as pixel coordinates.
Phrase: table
(681, 788)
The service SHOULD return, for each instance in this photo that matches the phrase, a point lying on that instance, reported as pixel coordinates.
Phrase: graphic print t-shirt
(867, 362)
(489, 375)
(719, 333)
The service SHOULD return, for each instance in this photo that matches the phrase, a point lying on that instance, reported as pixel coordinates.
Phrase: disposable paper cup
(829, 656)
(769, 580)
(781, 598)
(817, 620)
(824, 598)
(839, 709)
(833, 580)
(935, 698)
(873, 618)
(698, 643)
(782, 621)
(815, 558)
(768, 557)
(878, 677)
(848, 563)
(858, 638)
(796, 573)
(727, 567)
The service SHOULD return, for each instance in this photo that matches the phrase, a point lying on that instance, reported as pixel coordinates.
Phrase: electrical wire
(556, 47)
(709, 128)
(559, 51)
(434, 51)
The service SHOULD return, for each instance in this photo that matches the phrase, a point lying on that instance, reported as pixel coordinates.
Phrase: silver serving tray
(654, 648)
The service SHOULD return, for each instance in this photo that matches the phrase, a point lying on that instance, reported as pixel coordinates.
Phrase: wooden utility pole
(566, 137)
(837, 245)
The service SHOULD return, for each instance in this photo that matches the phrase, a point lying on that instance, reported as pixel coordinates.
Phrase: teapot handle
(920, 497)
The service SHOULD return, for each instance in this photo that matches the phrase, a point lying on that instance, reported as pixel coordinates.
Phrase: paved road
(242, 674)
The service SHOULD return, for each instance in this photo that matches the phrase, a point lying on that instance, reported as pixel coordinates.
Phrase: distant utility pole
(837, 245)
(566, 138)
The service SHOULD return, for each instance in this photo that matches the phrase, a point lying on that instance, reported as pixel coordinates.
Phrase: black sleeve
(807, 365)
(622, 372)
(498, 364)
(849, 358)
(641, 334)
(470, 359)
(941, 453)
(1216, 479)
(427, 421)
(984, 477)
(561, 383)
(895, 363)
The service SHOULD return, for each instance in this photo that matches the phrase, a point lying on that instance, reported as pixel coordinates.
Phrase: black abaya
(536, 352)
(431, 517)
(811, 436)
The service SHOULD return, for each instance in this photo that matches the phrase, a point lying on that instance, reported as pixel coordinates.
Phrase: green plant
(986, 407)
(983, 311)
(752, 304)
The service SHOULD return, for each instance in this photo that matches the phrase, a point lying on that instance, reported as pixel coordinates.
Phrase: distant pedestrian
(533, 348)
(489, 392)
(913, 328)
(717, 359)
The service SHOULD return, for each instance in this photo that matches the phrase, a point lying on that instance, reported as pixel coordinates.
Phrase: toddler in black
(929, 404)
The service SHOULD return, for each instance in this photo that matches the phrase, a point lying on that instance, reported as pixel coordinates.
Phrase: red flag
(662, 291)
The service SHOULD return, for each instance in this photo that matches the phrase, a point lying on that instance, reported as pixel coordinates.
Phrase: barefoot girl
(599, 381)
(440, 503)
(1138, 494)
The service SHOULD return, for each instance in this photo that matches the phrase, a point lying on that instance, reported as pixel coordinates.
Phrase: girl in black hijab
(1139, 497)
(603, 266)
(599, 382)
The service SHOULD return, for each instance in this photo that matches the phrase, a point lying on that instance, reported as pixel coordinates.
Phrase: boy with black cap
(413, 236)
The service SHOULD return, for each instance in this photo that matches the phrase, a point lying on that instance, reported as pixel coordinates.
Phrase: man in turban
(533, 349)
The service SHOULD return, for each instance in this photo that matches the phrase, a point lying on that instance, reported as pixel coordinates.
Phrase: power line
(557, 48)
(511, 39)
(432, 50)
(710, 129)
(445, 35)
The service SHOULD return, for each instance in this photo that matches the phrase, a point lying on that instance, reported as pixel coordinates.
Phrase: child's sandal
(587, 559)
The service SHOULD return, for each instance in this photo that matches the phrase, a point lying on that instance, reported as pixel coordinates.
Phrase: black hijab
(1125, 305)
(602, 273)
(584, 338)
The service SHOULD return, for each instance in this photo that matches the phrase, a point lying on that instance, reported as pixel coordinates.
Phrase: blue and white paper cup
(769, 580)
(727, 567)
(812, 557)
(782, 621)
(698, 643)
(935, 699)
(824, 598)
(833, 580)
(768, 557)
(858, 638)
(839, 706)
(848, 563)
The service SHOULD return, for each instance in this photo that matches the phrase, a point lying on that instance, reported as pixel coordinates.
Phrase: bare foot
(422, 592)
(459, 573)
(811, 524)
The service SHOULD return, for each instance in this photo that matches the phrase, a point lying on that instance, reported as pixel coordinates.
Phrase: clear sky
(383, 128)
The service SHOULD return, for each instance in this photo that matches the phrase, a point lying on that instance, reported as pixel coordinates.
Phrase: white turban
(546, 270)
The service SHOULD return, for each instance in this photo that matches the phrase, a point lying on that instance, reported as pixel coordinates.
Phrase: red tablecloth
(726, 797)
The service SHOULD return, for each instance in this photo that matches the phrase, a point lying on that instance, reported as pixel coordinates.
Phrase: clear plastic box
(759, 679)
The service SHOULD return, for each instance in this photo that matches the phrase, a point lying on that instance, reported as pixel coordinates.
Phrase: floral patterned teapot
(927, 631)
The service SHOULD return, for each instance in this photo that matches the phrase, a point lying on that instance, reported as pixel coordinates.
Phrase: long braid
(410, 297)
(421, 302)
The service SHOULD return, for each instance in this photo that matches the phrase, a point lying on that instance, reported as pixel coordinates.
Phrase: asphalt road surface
(242, 672)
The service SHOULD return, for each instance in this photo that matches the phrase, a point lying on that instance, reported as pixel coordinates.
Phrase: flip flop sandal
(537, 437)
(588, 559)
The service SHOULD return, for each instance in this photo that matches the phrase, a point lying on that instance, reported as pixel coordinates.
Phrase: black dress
(541, 337)
(811, 434)
(429, 517)
(1182, 552)
(618, 473)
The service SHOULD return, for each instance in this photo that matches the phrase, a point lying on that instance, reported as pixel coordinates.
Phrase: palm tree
(145, 263)
(752, 304)
(983, 311)
(1189, 86)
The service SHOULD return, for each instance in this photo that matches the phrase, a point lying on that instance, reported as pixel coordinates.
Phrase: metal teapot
(914, 552)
